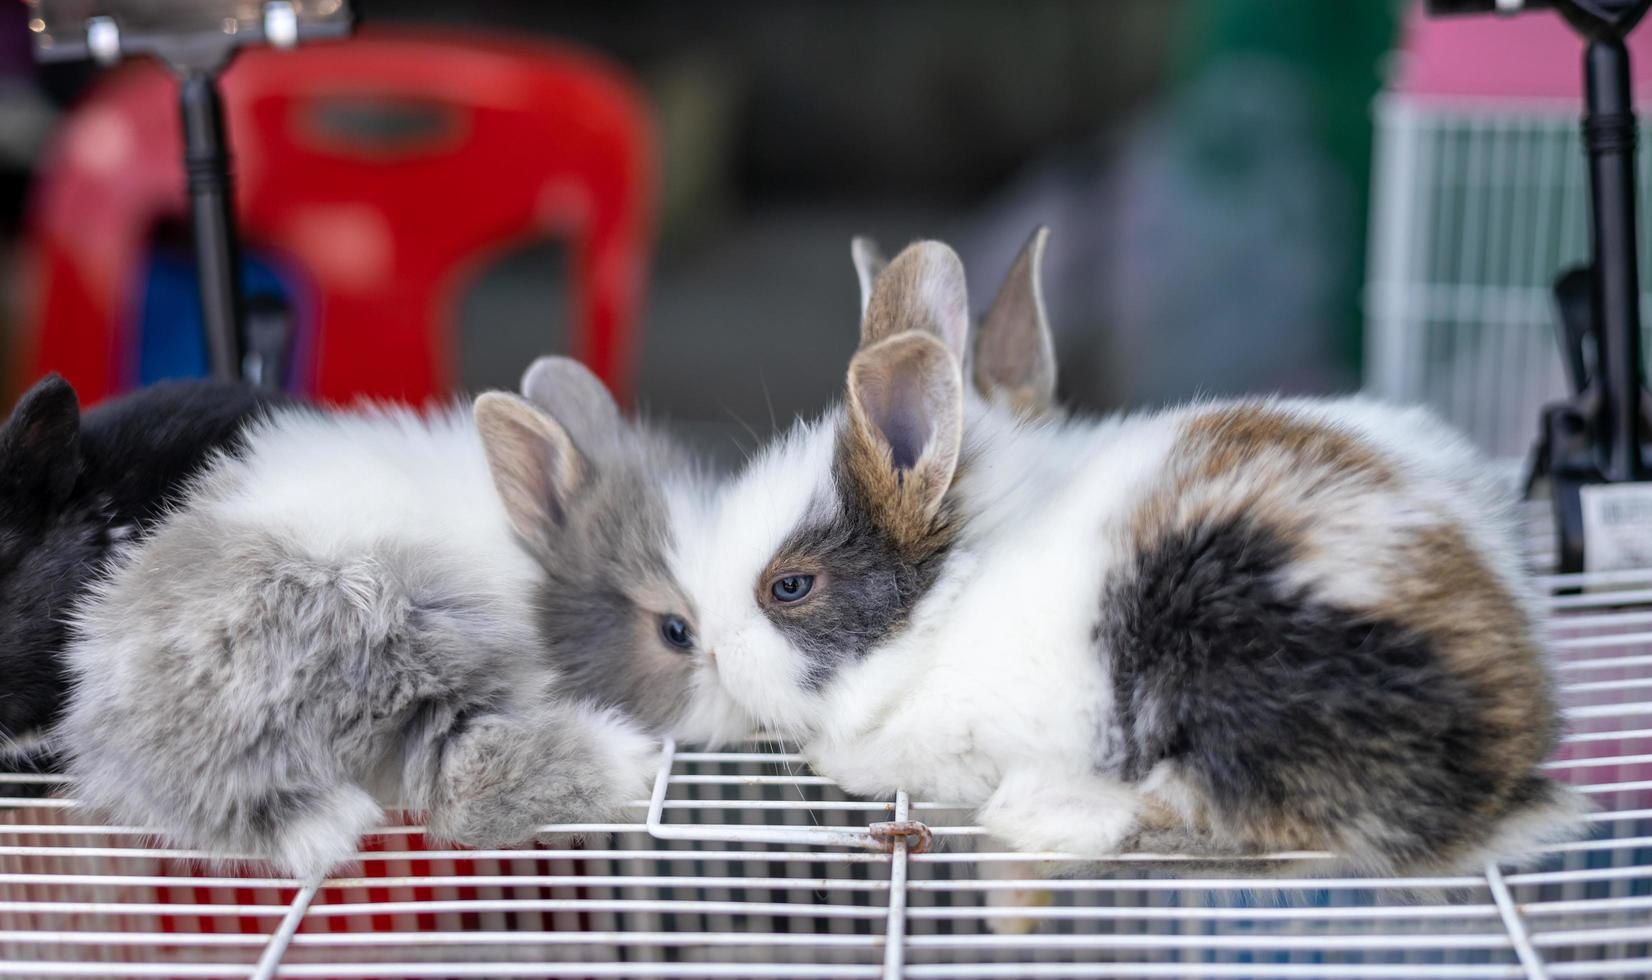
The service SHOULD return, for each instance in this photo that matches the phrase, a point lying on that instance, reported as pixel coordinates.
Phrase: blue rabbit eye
(791, 588)
(676, 632)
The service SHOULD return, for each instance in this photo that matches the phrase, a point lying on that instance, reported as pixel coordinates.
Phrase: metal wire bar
(1370, 913)
(544, 854)
(777, 971)
(639, 970)
(658, 804)
(1259, 942)
(271, 960)
(541, 881)
(1605, 663)
(894, 932)
(1538, 909)
(1592, 936)
(1328, 971)
(1536, 969)
(1634, 733)
(329, 940)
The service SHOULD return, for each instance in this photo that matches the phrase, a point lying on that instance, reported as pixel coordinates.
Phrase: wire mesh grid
(746, 864)
(1475, 206)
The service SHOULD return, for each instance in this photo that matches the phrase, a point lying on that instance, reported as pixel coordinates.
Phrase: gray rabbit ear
(40, 457)
(536, 467)
(922, 290)
(568, 391)
(1014, 351)
(869, 261)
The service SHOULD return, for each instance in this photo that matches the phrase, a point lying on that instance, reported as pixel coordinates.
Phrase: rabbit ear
(576, 398)
(1014, 352)
(922, 289)
(904, 431)
(536, 467)
(869, 261)
(40, 456)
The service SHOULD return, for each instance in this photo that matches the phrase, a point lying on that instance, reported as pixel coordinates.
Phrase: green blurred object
(1339, 47)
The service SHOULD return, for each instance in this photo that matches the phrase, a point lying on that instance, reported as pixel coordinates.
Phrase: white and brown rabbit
(376, 608)
(1270, 625)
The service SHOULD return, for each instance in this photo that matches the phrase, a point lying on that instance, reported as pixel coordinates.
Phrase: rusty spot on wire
(917, 835)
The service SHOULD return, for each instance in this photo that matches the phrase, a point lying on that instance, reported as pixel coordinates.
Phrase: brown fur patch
(1484, 633)
(1257, 460)
(921, 290)
(1155, 814)
(894, 499)
(1226, 439)
(1287, 830)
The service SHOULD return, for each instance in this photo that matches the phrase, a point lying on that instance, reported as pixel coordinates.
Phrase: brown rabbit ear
(536, 467)
(904, 430)
(869, 261)
(1014, 352)
(922, 290)
(578, 400)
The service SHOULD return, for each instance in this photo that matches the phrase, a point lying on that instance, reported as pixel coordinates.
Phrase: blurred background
(1213, 171)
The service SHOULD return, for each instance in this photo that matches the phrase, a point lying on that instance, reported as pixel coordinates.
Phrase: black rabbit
(73, 487)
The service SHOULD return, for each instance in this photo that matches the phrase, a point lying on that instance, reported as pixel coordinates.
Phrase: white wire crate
(1476, 205)
(745, 864)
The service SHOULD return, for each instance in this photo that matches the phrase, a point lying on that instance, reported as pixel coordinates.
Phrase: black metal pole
(212, 216)
(1609, 137)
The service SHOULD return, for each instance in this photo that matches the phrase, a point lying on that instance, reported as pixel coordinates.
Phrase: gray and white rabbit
(1268, 625)
(375, 608)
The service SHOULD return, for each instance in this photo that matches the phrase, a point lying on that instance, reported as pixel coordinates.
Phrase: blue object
(171, 332)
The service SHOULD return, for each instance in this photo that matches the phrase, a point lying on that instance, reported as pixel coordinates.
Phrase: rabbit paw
(508, 776)
(1046, 810)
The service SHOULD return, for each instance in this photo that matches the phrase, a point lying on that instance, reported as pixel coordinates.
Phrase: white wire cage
(745, 864)
(1477, 204)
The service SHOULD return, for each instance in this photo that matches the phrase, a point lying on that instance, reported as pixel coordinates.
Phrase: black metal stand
(196, 40)
(1609, 132)
(212, 218)
(1598, 434)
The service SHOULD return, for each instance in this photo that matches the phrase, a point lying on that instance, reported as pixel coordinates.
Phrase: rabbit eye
(674, 631)
(792, 588)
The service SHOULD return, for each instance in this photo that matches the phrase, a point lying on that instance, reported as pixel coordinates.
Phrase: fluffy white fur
(389, 474)
(720, 559)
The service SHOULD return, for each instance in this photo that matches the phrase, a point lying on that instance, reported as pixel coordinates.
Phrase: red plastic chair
(491, 143)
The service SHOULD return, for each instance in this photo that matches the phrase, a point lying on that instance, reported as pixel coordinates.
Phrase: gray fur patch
(504, 774)
(866, 585)
(606, 589)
